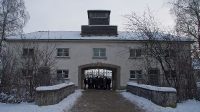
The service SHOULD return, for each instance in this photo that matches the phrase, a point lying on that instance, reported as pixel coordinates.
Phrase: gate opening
(98, 79)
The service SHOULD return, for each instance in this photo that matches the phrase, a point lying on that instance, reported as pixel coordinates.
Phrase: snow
(155, 88)
(187, 106)
(76, 35)
(55, 87)
(64, 106)
(67, 103)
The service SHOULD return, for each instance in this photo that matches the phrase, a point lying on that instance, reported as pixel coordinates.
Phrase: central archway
(114, 68)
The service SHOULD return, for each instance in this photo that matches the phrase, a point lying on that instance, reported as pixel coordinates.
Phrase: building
(97, 46)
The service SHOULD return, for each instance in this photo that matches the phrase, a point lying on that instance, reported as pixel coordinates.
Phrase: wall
(81, 53)
(163, 96)
(49, 95)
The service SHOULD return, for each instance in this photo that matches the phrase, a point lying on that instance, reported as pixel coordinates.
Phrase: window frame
(170, 74)
(99, 52)
(63, 74)
(135, 53)
(169, 53)
(29, 52)
(136, 74)
(98, 15)
(62, 52)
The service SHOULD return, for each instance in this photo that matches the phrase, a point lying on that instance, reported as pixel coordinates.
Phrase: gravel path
(103, 101)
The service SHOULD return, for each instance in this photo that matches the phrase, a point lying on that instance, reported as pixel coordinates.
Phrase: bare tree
(187, 16)
(13, 17)
(32, 62)
(170, 52)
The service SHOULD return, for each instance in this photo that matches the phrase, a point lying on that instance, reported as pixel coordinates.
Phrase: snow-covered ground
(187, 106)
(66, 104)
(63, 106)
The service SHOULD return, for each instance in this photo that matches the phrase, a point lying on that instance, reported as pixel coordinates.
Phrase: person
(91, 83)
(108, 83)
(85, 82)
(101, 83)
(104, 83)
(97, 83)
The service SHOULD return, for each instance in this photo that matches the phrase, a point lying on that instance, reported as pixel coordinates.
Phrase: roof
(76, 35)
(98, 10)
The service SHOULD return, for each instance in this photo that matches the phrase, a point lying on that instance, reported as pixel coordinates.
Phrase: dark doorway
(85, 70)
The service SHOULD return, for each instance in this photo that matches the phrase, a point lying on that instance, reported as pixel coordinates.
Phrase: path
(103, 101)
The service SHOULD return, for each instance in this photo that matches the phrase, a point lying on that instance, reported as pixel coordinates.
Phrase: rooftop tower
(98, 24)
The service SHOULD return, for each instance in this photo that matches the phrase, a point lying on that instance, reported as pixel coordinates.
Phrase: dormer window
(98, 15)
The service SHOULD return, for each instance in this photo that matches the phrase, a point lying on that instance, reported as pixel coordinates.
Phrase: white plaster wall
(81, 53)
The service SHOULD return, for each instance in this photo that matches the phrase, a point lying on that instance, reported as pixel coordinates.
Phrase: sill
(99, 57)
(63, 78)
(135, 79)
(67, 57)
(132, 79)
(135, 58)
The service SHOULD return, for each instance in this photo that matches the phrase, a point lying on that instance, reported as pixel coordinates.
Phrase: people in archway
(108, 83)
(85, 82)
(101, 83)
(97, 83)
(104, 82)
(91, 83)
(94, 82)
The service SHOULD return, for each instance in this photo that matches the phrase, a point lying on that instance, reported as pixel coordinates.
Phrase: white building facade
(96, 46)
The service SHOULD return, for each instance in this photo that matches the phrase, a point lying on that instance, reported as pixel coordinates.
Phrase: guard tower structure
(98, 24)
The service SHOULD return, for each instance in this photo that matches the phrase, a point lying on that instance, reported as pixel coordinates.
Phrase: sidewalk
(93, 100)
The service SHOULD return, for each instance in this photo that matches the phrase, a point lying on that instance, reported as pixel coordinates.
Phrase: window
(98, 15)
(134, 53)
(169, 53)
(28, 52)
(170, 74)
(63, 52)
(62, 73)
(152, 72)
(135, 73)
(153, 77)
(26, 72)
(99, 52)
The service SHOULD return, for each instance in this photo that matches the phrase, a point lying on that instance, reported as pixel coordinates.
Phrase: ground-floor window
(153, 77)
(62, 73)
(135, 73)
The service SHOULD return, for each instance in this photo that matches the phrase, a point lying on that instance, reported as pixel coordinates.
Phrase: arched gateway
(114, 68)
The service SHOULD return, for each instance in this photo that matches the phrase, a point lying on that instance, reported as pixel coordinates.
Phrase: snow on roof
(54, 87)
(155, 88)
(76, 35)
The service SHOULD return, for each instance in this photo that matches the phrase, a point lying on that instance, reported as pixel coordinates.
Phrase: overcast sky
(69, 15)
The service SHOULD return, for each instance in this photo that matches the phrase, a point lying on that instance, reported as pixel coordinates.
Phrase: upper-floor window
(63, 52)
(99, 52)
(135, 74)
(134, 53)
(62, 73)
(28, 51)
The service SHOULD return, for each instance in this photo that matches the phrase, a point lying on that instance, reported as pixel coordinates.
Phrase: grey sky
(69, 15)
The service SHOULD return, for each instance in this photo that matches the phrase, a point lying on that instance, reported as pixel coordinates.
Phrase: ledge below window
(99, 57)
(63, 78)
(132, 79)
(67, 57)
(135, 58)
